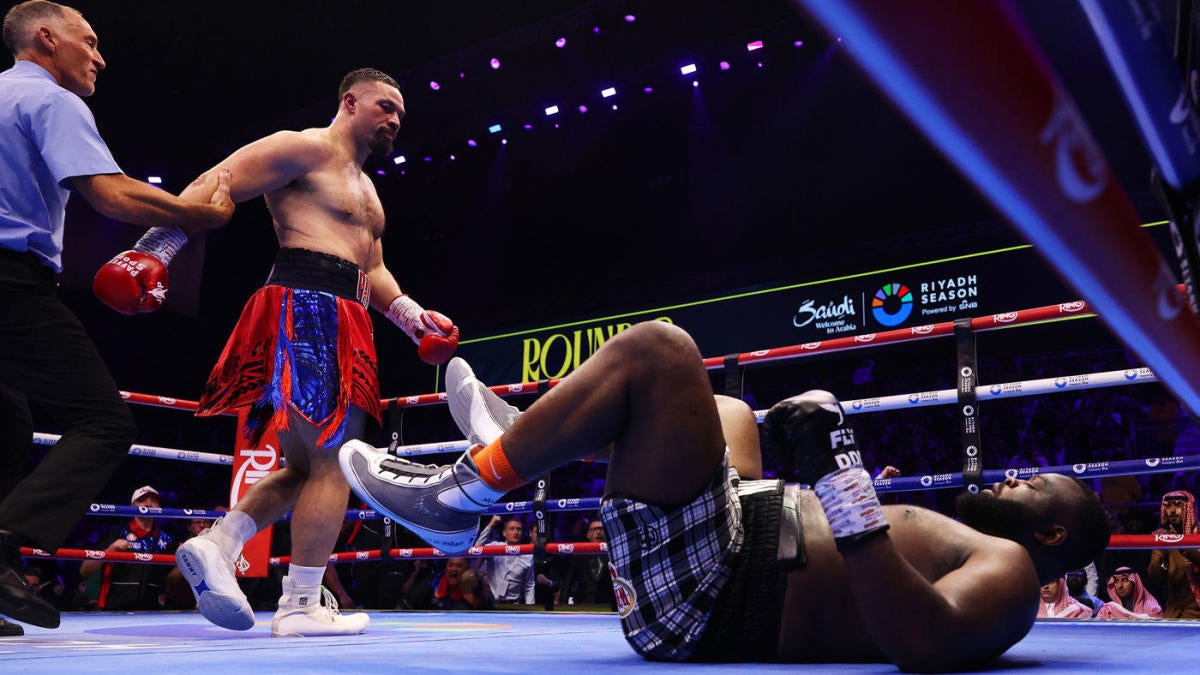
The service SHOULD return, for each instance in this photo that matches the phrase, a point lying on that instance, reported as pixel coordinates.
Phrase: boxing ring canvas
(511, 642)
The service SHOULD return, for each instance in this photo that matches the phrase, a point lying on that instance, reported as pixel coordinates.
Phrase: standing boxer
(301, 358)
(49, 147)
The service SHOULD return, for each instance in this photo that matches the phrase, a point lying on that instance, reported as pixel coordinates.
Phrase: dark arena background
(568, 167)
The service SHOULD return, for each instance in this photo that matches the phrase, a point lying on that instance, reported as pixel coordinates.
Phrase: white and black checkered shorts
(670, 567)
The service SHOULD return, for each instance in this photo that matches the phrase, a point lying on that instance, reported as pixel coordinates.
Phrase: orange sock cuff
(495, 470)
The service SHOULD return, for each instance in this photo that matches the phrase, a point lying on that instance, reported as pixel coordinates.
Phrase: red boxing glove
(435, 334)
(136, 281)
(440, 339)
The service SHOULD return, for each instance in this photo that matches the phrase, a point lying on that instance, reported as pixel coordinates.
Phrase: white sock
(304, 578)
(231, 535)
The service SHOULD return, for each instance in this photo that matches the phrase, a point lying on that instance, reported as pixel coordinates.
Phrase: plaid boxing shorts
(696, 582)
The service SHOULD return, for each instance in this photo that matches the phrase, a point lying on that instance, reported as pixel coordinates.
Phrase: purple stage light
(471, 143)
(798, 43)
(695, 83)
(611, 91)
(552, 110)
(760, 64)
(428, 159)
(380, 172)
(434, 85)
(461, 75)
(647, 90)
(399, 159)
(754, 46)
(614, 106)
(629, 18)
(582, 108)
(724, 65)
(494, 129)
(560, 42)
(596, 30)
(688, 69)
(528, 127)
(495, 63)
(503, 141)
(452, 158)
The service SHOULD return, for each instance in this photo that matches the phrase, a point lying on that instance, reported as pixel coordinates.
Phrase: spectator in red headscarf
(1130, 599)
(1056, 603)
(1179, 568)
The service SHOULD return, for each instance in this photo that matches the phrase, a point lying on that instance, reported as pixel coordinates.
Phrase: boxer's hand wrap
(435, 334)
(162, 243)
(136, 280)
(851, 506)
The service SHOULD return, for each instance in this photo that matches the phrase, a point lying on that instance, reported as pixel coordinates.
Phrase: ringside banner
(987, 282)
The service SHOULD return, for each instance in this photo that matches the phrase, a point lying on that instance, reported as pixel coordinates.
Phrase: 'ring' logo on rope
(1152, 462)
(1006, 317)
(926, 481)
(143, 557)
(566, 548)
(1076, 306)
(892, 304)
(412, 400)
(809, 346)
(406, 553)
(475, 550)
(867, 337)
(362, 555)
(922, 330)
(516, 388)
(1079, 468)
(1168, 538)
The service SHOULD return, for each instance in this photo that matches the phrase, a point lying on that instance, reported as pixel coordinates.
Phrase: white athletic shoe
(313, 613)
(211, 576)
(480, 414)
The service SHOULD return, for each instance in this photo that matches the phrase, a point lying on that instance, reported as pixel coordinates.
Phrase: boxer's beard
(381, 144)
(997, 517)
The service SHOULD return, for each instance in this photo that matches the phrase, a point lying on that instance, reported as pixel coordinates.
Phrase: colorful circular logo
(892, 304)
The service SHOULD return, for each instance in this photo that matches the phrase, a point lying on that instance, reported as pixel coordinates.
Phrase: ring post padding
(734, 376)
(968, 406)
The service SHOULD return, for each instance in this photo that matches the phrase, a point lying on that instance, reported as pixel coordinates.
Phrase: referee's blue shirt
(47, 135)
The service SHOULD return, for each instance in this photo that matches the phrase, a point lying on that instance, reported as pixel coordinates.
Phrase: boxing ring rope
(1037, 315)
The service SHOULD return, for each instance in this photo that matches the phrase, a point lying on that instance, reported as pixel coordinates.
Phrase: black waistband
(312, 270)
(25, 269)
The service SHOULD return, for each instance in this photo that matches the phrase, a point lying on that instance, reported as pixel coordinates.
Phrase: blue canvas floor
(515, 642)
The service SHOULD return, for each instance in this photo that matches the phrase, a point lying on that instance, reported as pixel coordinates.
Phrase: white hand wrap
(406, 314)
(851, 506)
(162, 243)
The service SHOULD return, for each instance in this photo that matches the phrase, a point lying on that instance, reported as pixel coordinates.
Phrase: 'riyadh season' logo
(892, 304)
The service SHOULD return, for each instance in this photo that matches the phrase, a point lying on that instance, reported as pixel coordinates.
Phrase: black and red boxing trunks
(304, 342)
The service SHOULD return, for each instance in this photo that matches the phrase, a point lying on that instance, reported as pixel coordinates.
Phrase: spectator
(417, 590)
(1057, 604)
(130, 586)
(1130, 599)
(510, 577)
(587, 580)
(462, 588)
(1077, 588)
(1177, 568)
